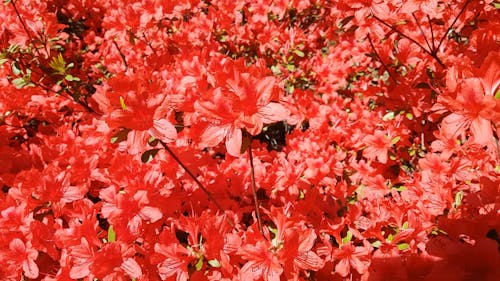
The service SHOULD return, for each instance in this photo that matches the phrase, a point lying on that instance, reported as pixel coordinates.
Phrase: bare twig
(121, 55)
(254, 189)
(195, 179)
(451, 26)
(422, 32)
(25, 27)
(432, 34)
(380, 59)
(430, 53)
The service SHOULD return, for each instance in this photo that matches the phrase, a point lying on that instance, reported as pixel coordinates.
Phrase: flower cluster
(249, 140)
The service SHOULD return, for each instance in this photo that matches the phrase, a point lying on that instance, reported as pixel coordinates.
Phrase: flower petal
(163, 130)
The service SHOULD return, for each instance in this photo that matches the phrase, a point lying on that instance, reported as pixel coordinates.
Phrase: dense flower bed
(249, 140)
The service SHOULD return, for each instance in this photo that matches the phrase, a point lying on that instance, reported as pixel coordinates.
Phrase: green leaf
(120, 136)
(405, 225)
(58, 64)
(403, 246)
(458, 199)
(290, 67)
(16, 69)
(149, 155)
(388, 116)
(111, 234)
(409, 116)
(347, 238)
(70, 77)
(299, 53)
(6, 2)
(3, 60)
(377, 244)
(199, 264)
(395, 139)
(214, 263)
(122, 103)
(19, 82)
(497, 94)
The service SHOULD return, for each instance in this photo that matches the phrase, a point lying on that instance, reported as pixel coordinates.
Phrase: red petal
(233, 141)
(163, 130)
(490, 72)
(150, 213)
(132, 268)
(481, 130)
(273, 112)
(30, 269)
(213, 135)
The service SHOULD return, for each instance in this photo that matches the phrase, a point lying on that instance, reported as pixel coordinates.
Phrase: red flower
(24, 255)
(350, 256)
(471, 109)
(242, 102)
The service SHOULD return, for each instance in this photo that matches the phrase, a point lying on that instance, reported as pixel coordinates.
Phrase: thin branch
(422, 31)
(451, 26)
(254, 189)
(25, 27)
(432, 34)
(432, 54)
(380, 59)
(195, 179)
(121, 55)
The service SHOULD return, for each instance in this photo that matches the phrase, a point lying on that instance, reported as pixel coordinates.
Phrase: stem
(25, 27)
(254, 192)
(451, 26)
(422, 32)
(432, 34)
(200, 185)
(432, 54)
(380, 59)
(121, 55)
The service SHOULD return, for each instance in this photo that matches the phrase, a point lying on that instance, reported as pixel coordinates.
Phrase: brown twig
(254, 189)
(380, 59)
(124, 59)
(25, 27)
(422, 32)
(451, 26)
(195, 179)
(430, 53)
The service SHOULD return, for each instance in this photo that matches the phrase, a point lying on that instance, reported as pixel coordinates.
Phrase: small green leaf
(19, 82)
(120, 136)
(347, 238)
(214, 263)
(301, 194)
(58, 64)
(149, 155)
(405, 225)
(111, 234)
(377, 244)
(388, 116)
(299, 53)
(403, 246)
(3, 60)
(458, 199)
(395, 139)
(70, 78)
(497, 94)
(290, 67)
(409, 116)
(122, 103)
(199, 264)
(276, 70)
(16, 69)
